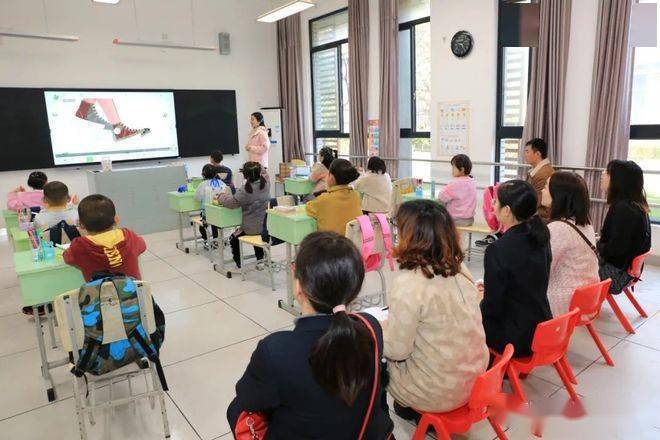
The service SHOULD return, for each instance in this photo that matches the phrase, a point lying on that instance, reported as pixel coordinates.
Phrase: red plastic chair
(549, 347)
(486, 401)
(589, 300)
(634, 271)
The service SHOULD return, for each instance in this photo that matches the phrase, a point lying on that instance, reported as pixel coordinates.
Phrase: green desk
(19, 240)
(11, 218)
(40, 282)
(222, 218)
(412, 196)
(183, 204)
(299, 186)
(291, 228)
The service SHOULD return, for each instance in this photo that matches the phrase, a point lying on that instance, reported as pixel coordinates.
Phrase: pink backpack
(489, 214)
(372, 261)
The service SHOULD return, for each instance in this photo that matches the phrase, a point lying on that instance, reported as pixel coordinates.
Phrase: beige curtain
(358, 74)
(609, 119)
(545, 106)
(289, 63)
(389, 84)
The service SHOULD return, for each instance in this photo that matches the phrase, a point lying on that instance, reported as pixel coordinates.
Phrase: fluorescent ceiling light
(285, 10)
(39, 36)
(110, 2)
(161, 45)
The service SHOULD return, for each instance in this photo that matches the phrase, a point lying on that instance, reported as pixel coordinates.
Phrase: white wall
(94, 62)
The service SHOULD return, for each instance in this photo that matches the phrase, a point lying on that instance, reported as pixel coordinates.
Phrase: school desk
(40, 282)
(19, 240)
(222, 218)
(292, 228)
(183, 204)
(11, 219)
(299, 186)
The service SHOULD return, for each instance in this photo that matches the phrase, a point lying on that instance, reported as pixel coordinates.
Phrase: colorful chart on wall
(453, 128)
(374, 137)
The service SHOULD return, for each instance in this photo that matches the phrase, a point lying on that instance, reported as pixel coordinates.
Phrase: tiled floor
(214, 323)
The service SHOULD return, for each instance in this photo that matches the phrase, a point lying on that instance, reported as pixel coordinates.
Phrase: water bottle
(185, 169)
(24, 218)
(433, 189)
(419, 191)
(208, 194)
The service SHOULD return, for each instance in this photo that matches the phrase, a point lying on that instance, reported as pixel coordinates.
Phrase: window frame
(337, 45)
(412, 133)
(504, 131)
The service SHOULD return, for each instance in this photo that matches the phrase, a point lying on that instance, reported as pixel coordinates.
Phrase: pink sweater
(17, 200)
(573, 264)
(460, 197)
(258, 145)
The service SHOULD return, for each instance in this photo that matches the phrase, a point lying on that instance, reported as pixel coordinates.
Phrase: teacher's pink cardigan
(257, 146)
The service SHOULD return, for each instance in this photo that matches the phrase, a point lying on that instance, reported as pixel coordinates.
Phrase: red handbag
(254, 425)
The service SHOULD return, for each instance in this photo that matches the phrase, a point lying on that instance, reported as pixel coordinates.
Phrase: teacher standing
(258, 142)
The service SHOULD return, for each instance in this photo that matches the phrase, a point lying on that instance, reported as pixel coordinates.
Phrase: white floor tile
(261, 306)
(157, 270)
(189, 263)
(164, 249)
(180, 293)
(18, 334)
(171, 236)
(8, 278)
(201, 329)
(204, 386)
(10, 301)
(648, 334)
(148, 256)
(223, 287)
(608, 324)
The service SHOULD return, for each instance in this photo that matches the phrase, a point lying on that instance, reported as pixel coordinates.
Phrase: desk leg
(221, 267)
(289, 305)
(51, 329)
(45, 370)
(469, 252)
(181, 245)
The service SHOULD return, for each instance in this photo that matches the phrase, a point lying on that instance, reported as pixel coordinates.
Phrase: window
(415, 85)
(329, 61)
(513, 65)
(644, 146)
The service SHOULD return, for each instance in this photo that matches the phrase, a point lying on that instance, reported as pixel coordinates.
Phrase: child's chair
(266, 245)
(399, 188)
(61, 233)
(486, 402)
(72, 336)
(549, 346)
(635, 271)
(589, 300)
(371, 234)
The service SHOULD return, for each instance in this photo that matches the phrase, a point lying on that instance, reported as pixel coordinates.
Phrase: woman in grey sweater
(253, 198)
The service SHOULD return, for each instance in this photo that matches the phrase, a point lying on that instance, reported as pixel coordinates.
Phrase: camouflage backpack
(114, 331)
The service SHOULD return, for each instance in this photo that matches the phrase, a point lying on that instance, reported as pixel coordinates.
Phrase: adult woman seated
(434, 340)
(517, 268)
(572, 239)
(315, 382)
(626, 231)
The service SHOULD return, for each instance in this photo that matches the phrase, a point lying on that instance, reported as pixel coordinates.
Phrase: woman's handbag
(254, 425)
(620, 278)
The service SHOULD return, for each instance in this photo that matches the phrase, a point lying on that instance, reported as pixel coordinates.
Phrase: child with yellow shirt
(340, 204)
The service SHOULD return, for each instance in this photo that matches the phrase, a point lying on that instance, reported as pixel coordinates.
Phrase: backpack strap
(387, 237)
(368, 236)
(152, 355)
(93, 340)
(374, 387)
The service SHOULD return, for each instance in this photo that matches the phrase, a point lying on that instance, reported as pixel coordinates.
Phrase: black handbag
(620, 278)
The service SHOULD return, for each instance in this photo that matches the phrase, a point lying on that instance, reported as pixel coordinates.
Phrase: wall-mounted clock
(461, 44)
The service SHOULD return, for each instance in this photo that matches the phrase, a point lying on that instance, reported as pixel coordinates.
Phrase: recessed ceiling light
(110, 2)
(285, 10)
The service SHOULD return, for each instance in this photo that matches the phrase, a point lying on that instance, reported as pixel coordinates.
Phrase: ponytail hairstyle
(260, 118)
(343, 171)
(252, 173)
(327, 156)
(330, 271)
(570, 197)
(37, 180)
(521, 198)
(209, 171)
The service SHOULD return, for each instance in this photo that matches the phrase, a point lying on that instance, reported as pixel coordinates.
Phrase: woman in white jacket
(258, 142)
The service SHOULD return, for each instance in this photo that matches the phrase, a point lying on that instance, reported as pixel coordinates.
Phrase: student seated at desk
(214, 187)
(375, 187)
(19, 198)
(316, 381)
(341, 203)
(106, 248)
(434, 338)
(58, 220)
(253, 198)
(460, 195)
(224, 173)
(320, 170)
(516, 271)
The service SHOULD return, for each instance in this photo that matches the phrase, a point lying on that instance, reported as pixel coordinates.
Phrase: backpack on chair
(373, 242)
(490, 194)
(57, 233)
(114, 321)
